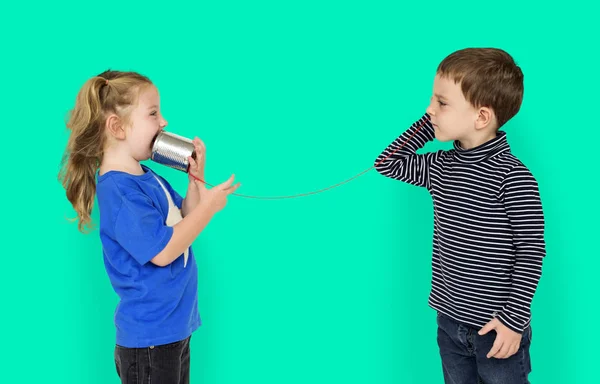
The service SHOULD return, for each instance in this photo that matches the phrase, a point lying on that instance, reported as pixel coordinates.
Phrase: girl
(146, 228)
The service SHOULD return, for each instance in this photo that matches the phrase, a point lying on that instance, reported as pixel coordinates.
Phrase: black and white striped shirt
(488, 237)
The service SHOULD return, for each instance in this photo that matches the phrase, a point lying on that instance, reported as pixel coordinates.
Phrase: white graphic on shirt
(174, 217)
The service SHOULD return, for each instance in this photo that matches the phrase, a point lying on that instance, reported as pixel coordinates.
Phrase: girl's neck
(115, 161)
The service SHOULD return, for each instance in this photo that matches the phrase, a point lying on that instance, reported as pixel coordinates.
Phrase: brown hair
(489, 77)
(109, 92)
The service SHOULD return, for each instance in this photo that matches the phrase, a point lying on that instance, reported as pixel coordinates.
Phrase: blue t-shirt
(158, 305)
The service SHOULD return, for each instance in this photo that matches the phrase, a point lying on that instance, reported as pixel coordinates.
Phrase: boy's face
(452, 116)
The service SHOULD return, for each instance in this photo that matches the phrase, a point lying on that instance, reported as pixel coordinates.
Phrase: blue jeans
(463, 352)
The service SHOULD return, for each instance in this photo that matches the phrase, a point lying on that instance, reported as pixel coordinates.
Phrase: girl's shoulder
(123, 182)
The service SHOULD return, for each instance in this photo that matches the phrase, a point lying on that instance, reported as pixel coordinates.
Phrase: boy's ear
(485, 118)
(115, 127)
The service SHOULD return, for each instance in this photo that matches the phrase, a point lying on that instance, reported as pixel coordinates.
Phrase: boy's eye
(153, 113)
(441, 103)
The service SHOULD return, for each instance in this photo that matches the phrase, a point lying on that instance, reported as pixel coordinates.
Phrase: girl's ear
(115, 127)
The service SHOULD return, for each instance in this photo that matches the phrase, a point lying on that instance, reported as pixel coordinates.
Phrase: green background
(292, 97)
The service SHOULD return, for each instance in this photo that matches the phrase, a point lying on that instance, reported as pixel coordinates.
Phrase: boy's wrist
(509, 322)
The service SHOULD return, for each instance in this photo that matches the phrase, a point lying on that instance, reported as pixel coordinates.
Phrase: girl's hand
(197, 166)
(192, 197)
(216, 197)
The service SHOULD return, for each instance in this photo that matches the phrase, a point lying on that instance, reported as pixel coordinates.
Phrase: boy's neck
(477, 139)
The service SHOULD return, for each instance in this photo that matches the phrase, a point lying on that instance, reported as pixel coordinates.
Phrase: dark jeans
(463, 352)
(160, 364)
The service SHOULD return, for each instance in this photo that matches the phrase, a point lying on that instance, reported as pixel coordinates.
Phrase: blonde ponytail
(109, 92)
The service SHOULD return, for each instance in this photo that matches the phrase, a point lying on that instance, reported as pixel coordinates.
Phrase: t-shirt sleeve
(140, 228)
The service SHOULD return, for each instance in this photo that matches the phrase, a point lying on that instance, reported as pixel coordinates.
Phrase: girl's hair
(109, 92)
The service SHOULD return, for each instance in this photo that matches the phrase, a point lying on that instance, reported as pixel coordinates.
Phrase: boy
(488, 238)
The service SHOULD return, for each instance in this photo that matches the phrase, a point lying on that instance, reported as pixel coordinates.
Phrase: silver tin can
(172, 150)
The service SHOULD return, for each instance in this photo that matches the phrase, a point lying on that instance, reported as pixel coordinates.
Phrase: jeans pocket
(526, 336)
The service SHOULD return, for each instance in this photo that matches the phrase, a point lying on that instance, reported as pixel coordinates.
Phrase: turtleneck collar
(493, 147)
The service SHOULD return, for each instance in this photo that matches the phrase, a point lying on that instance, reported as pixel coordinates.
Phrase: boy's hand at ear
(192, 197)
(507, 341)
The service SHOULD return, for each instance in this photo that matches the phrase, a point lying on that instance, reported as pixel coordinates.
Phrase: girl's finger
(192, 162)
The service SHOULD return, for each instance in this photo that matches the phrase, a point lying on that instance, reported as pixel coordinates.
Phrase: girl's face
(145, 122)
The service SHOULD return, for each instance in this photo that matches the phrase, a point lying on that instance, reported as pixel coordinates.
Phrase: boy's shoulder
(515, 177)
(501, 166)
(512, 165)
(508, 161)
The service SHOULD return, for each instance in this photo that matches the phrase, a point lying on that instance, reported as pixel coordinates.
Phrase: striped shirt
(488, 233)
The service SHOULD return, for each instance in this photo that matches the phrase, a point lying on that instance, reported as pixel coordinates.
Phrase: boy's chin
(441, 137)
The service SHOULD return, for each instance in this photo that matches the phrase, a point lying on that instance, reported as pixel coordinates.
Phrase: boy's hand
(507, 341)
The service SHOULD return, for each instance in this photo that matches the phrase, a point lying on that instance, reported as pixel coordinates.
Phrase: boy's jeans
(463, 352)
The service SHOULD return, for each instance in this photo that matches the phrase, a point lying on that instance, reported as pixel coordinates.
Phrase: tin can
(172, 150)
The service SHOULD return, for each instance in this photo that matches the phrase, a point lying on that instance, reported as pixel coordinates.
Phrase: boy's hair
(489, 77)
(109, 92)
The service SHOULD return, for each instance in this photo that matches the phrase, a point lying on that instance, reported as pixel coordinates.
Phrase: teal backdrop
(292, 97)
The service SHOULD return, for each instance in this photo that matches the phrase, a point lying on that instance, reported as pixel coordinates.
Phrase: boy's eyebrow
(439, 96)
(153, 106)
